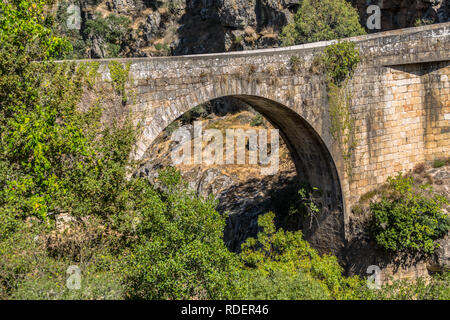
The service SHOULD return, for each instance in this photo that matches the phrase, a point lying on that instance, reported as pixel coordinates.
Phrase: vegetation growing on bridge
(339, 62)
(296, 64)
(327, 20)
(90, 72)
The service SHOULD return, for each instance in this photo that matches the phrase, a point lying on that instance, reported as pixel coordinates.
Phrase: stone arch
(313, 160)
(314, 164)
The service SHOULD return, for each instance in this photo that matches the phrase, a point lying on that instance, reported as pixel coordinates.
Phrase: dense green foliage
(438, 163)
(408, 218)
(277, 254)
(179, 252)
(256, 121)
(319, 20)
(112, 30)
(60, 27)
(54, 160)
(32, 105)
(437, 288)
(340, 61)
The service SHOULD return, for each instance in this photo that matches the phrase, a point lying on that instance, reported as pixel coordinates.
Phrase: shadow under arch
(311, 156)
(315, 165)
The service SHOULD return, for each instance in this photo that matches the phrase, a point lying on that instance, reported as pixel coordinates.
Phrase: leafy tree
(407, 218)
(24, 31)
(281, 265)
(112, 32)
(319, 20)
(180, 253)
(55, 159)
(30, 106)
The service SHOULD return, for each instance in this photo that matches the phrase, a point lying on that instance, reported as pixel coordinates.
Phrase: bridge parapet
(405, 46)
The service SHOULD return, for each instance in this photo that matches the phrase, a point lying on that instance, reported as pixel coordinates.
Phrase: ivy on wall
(89, 70)
(119, 77)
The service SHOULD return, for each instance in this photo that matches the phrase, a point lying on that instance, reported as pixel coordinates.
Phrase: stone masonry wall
(408, 125)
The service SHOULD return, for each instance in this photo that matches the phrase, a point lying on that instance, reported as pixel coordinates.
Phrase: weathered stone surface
(441, 261)
(152, 26)
(180, 27)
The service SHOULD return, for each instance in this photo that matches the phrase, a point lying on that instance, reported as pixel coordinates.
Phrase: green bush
(257, 121)
(319, 20)
(180, 253)
(277, 254)
(113, 30)
(97, 286)
(283, 285)
(407, 218)
(37, 115)
(162, 47)
(340, 61)
(34, 262)
(118, 28)
(57, 160)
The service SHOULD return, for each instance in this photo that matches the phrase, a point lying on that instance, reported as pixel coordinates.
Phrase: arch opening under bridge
(313, 162)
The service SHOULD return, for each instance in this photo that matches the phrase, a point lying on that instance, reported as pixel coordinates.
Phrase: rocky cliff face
(180, 27)
(362, 250)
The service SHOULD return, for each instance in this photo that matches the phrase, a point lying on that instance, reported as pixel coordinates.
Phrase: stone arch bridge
(400, 103)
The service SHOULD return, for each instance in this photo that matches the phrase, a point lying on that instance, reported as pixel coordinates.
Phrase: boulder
(237, 14)
(152, 26)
